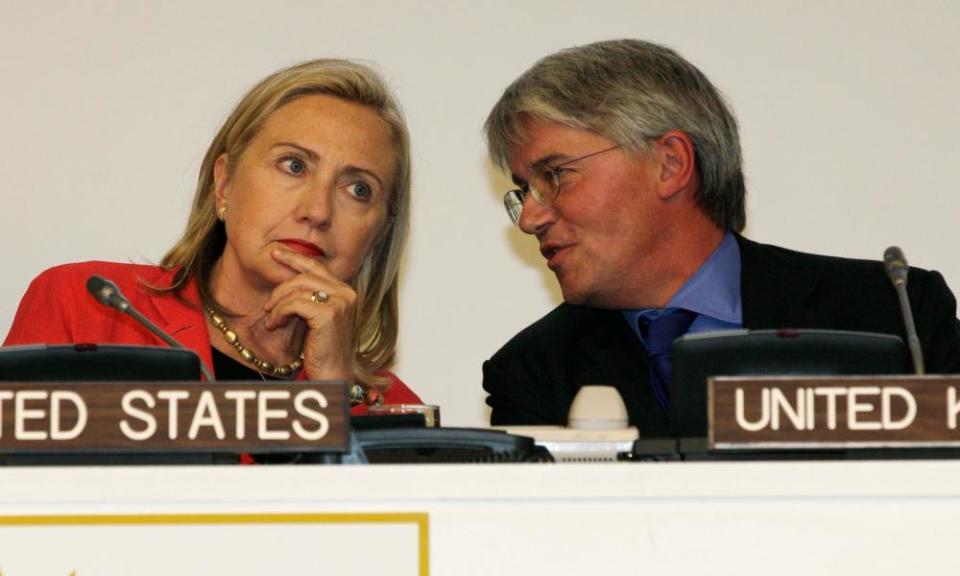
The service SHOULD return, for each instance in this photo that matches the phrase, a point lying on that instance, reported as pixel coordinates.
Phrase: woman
(288, 264)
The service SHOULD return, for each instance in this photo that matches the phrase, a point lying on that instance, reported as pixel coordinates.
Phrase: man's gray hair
(631, 92)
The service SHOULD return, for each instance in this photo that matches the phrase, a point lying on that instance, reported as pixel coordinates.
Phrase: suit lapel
(776, 286)
(606, 341)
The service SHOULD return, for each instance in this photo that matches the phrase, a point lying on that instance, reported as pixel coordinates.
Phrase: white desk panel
(689, 518)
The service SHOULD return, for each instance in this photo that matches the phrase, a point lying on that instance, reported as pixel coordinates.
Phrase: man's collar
(713, 290)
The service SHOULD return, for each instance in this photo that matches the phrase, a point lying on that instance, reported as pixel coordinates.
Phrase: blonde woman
(288, 265)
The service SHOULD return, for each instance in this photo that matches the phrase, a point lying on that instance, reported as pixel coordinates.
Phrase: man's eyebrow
(539, 165)
(546, 161)
(306, 151)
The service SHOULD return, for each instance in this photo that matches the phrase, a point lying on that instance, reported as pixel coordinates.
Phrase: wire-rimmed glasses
(513, 199)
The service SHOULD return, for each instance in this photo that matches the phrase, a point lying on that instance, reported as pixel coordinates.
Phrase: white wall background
(848, 112)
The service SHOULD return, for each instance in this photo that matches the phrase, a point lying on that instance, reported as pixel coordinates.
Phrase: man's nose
(536, 217)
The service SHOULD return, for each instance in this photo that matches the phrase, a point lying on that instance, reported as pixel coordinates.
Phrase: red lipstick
(303, 247)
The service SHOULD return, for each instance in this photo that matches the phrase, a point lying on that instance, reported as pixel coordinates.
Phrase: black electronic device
(405, 439)
(698, 450)
(419, 445)
(361, 422)
(697, 357)
(96, 362)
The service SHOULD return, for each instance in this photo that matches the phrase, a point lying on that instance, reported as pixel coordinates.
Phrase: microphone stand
(896, 266)
(108, 294)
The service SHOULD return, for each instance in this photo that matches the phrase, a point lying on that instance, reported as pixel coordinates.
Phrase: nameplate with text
(41, 417)
(833, 412)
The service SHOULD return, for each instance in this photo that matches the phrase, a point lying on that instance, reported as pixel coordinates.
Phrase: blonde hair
(203, 240)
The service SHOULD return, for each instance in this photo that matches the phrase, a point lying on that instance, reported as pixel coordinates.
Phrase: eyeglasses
(545, 196)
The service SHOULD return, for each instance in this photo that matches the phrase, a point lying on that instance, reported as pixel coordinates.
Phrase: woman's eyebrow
(314, 157)
(351, 169)
(306, 151)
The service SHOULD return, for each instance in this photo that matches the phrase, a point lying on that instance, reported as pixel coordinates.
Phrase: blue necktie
(658, 336)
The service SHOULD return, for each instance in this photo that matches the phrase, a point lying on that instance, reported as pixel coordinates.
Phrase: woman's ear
(676, 155)
(221, 176)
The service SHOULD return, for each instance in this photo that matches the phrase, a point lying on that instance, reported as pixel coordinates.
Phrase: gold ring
(319, 297)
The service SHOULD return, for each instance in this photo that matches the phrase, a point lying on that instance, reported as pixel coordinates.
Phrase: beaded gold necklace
(262, 366)
(358, 394)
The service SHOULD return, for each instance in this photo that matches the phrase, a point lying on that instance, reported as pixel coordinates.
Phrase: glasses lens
(554, 188)
(513, 202)
(534, 192)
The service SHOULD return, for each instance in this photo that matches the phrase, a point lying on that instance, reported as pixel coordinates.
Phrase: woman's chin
(280, 275)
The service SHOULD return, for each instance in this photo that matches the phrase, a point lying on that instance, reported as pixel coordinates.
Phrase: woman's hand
(328, 344)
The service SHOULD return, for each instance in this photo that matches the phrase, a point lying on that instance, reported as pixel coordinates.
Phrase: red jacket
(57, 309)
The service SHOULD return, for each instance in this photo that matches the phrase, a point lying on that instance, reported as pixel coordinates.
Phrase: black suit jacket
(534, 377)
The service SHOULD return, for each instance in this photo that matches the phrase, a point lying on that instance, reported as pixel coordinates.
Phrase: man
(628, 168)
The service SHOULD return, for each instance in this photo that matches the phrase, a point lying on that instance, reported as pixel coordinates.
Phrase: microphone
(897, 269)
(108, 294)
(895, 264)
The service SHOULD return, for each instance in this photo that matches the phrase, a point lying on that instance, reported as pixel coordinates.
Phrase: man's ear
(221, 175)
(677, 160)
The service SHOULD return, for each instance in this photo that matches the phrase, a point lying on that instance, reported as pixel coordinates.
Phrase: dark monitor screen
(697, 357)
(96, 362)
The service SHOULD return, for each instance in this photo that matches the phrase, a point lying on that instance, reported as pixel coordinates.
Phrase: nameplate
(44, 417)
(833, 412)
